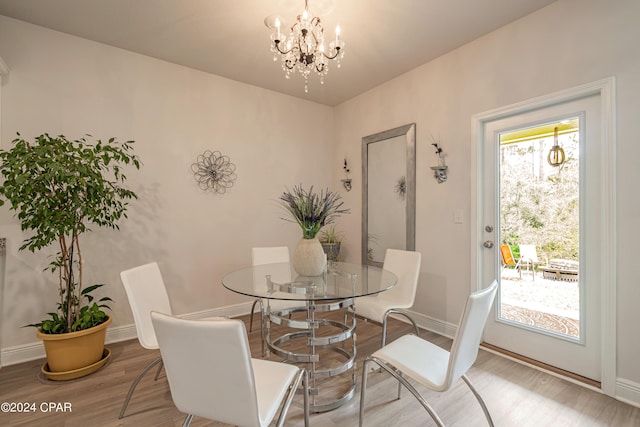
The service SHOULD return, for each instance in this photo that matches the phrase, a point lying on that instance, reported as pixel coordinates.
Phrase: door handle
(488, 244)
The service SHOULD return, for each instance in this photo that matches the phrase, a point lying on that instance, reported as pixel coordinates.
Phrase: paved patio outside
(550, 304)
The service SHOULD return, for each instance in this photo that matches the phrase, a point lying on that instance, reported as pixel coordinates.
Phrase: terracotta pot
(75, 350)
(309, 258)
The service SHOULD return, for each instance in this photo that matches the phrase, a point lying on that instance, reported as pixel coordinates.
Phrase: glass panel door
(540, 227)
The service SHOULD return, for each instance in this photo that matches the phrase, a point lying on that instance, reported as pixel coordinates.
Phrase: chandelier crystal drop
(304, 48)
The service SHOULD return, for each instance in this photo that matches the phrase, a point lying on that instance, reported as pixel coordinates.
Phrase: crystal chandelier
(304, 49)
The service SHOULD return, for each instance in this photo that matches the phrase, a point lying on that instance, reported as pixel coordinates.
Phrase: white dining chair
(406, 266)
(430, 365)
(269, 255)
(146, 292)
(212, 375)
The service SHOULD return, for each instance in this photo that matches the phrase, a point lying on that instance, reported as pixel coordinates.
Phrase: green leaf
(58, 189)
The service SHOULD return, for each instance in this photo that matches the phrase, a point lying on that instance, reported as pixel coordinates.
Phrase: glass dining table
(314, 339)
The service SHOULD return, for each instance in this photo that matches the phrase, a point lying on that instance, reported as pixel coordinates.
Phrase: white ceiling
(384, 38)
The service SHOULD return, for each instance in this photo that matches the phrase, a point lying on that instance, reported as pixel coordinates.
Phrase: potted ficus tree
(58, 189)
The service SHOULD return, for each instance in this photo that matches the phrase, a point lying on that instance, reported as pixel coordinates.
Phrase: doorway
(590, 350)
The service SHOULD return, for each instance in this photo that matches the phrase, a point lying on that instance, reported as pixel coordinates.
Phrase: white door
(577, 354)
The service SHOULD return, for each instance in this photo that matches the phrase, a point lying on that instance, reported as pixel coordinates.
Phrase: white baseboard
(431, 324)
(628, 392)
(436, 325)
(33, 351)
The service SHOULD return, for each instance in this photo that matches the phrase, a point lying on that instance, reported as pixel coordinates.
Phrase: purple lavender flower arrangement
(312, 210)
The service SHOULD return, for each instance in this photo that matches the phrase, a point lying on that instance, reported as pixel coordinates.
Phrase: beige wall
(567, 44)
(62, 84)
(66, 85)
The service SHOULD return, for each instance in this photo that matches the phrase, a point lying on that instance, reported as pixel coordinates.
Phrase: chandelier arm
(284, 52)
(332, 56)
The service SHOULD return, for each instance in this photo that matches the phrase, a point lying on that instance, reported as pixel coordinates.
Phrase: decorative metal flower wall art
(401, 187)
(214, 172)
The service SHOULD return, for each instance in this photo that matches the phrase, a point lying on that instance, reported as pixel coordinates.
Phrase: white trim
(628, 392)
(606, 90)
(541, 369)
(35, 350)
(228, 311)
(432, 324)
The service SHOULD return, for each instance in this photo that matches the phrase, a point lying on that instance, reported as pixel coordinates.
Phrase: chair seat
(374, 307)
(275, 377)
(419, 359)
(412, 359)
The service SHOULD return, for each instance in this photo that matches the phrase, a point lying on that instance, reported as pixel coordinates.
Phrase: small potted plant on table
(58, 188)
(330, 239)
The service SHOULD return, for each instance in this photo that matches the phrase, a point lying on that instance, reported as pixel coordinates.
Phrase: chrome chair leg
(479, 399)
(135, 384)
(262, 337)
(187, 421)
(253, 306)
(363, 388)
(396, 374)
(159, 370)
(302, 376)
(384, 323)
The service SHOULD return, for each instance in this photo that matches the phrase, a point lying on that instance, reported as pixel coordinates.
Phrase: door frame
(605, 89)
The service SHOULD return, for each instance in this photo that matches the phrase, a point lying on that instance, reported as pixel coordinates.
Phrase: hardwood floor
(515, 394)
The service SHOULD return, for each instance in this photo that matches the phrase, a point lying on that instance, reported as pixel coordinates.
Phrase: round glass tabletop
(280, 281)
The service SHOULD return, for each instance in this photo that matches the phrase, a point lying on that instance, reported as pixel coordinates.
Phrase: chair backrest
(146, 292)
(507, 255)
(405, 265)
(208, 365)
(464, 349)
(269, 255)
(528, 253)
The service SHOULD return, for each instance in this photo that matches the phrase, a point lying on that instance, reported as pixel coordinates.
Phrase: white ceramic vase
(309, 258)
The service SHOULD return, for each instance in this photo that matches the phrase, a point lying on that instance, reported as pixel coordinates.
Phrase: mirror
(388, 193)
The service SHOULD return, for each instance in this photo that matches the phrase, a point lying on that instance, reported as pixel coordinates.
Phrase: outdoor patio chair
(529, 259)
(508, 260)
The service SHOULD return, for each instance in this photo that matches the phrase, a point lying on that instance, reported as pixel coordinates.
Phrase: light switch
(458, 216)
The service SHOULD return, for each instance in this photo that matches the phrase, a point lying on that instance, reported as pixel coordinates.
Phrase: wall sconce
(439, 171)
(346, 182)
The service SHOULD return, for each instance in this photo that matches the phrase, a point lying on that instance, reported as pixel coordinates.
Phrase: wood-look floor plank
(516, 395)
